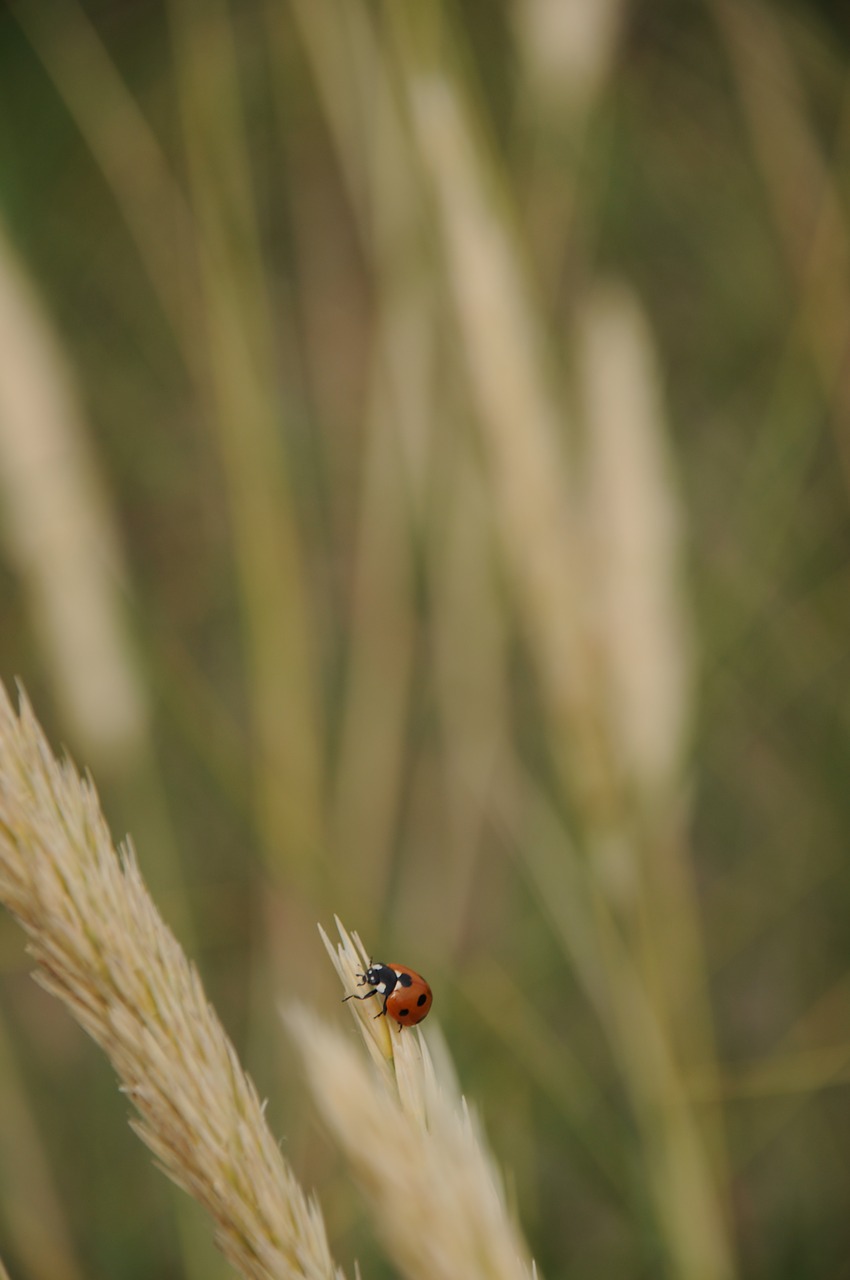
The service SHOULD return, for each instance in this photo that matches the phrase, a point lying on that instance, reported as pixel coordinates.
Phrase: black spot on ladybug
(422, 999)
(404, 979)
(402, 1013)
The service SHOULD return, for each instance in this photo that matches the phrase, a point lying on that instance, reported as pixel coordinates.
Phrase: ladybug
(407, 996)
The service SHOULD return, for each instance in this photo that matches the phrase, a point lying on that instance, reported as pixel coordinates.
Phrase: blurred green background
(424, 472)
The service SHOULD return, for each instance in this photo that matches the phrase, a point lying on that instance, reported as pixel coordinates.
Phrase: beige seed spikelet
(351, 960)
(104, 950)
(434, 1190)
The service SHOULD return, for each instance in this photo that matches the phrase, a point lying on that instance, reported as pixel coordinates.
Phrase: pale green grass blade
(35, 1219)
(247, 417)
(129, 154)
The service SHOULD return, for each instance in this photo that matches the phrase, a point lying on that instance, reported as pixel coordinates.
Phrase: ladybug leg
(383, 1012)
(355, 996)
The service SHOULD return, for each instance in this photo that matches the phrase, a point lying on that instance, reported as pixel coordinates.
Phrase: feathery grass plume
(411, 1142)
(104, 950)
(567, 51)
(636, 537)
(57, 528)
(524, 427)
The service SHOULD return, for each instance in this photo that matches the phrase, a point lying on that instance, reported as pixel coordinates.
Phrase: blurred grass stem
(246, 404)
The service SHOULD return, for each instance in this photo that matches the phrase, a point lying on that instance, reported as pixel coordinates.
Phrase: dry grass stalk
(411, 1143)
(104, 950)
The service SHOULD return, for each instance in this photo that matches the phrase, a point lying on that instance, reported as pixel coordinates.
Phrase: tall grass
(456, 416)
(102, 948)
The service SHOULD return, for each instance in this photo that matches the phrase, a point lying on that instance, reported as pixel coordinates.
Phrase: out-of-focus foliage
(424, 475)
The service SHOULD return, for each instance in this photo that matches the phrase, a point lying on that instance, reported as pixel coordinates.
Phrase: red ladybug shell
(410, 998)
(406, 996)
